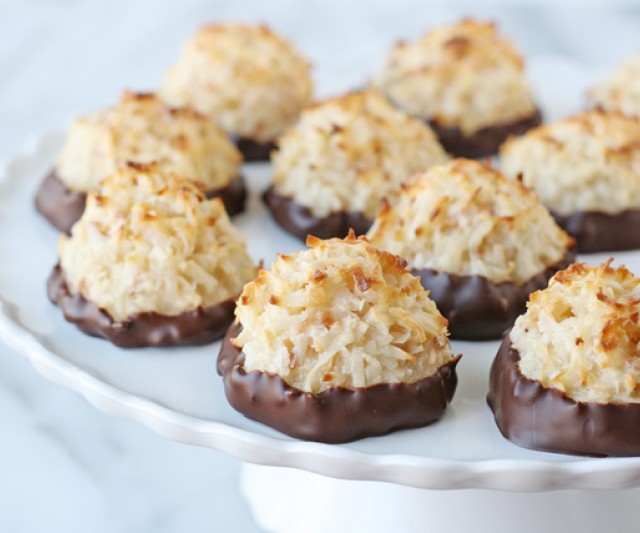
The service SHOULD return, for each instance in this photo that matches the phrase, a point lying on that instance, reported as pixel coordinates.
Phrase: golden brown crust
(341, 314)
(581, 334)
(466, 218)
(463, 75)
(620, 91)
(347, 153)
(588, 162)
(151, 242)
(246, 77)
(141, 128)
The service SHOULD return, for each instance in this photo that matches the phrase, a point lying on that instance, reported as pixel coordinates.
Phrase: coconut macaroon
(567, 378)
(481, 243)
(586, 170)
(246, 77)
(344, 155)
(467, 81)
(619, 92)
(151, 262)
(142, 129)
(338, 342)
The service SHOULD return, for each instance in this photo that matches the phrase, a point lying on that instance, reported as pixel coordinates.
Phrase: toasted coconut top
(581, 335)
(466, 218)
(621, 90)
(142, 129)
(341, 314)
(347, 153)
(589, 162)
(151, 242)
(249, 79)
(462, 75)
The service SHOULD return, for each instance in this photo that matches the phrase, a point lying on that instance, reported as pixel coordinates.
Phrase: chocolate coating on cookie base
(200, 326)
(533, 416)
(63, 207)
(300, 221)
(478, 308)
(597, 231)
(337, 414)
(254, 151)
(484, 142)
(233, 195)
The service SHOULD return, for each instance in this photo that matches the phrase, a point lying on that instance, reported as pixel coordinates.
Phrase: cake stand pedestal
(287, 500)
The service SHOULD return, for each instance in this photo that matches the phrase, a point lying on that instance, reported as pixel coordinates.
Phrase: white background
(65, 467)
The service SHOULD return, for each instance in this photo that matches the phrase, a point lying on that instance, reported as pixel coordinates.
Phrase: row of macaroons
(342, 341)
(463, 226)
(465, 79)
(345, 155)
(480, 243)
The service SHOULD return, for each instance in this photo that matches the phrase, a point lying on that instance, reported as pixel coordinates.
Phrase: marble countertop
(65, 466)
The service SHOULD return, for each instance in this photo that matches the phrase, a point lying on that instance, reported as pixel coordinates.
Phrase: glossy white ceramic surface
(177, 393)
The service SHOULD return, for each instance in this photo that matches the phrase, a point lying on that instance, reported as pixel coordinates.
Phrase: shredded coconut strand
(347, 153)
(465, 75)
(149, 241)
(142, 129)
(250, 80)
(581, 335)
(589, 162)
(340, 314)
(464, 217)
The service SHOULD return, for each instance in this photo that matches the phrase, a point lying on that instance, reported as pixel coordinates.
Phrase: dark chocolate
(478, 308)
(233, 195)
(63, 207)
(337, 414)
(602, 232)
(484, 142)
(254, 151)
(533, 416)
(200, 326)
(298, 219)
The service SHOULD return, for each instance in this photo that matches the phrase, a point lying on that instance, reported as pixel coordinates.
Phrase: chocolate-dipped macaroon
(481, 243)
(567, 377)
(344, 155)
(151, 262)
(247, 78)
(336, 343)
(467, 81)
(620, 91)
(142, 129)
(586, 170)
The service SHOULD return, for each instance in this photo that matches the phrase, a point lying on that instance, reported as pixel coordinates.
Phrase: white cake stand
(402, 481)
(289, 500)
